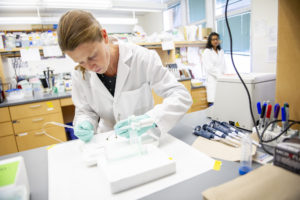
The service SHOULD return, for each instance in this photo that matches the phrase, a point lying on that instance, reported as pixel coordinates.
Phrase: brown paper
(219, 150)
(267, 182)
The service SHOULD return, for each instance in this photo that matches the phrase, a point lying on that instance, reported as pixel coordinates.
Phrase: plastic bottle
(25, 40)
(18, 41)
(246, 155)
(10, 41)
(50, 38)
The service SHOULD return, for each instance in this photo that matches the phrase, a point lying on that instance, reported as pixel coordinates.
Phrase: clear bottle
(50, 38)
(246, 155)
(10, 41)
(18, 41)
(25, 40)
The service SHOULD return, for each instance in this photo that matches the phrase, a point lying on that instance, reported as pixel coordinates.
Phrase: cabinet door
(8, 145)
(36, 138)
(37, 122)
(34, 109)
(6, 129)
(4, 114)
(66, 102)
(199, 99)
(199, 96)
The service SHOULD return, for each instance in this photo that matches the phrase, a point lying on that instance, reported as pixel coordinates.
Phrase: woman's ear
(105, 36)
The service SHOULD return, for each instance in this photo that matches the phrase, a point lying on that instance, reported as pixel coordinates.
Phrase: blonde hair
(77, 27)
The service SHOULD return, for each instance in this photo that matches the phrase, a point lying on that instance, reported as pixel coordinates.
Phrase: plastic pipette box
(128, 172)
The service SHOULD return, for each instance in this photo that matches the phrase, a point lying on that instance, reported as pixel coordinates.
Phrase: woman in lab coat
(214, 63)
(115, 81)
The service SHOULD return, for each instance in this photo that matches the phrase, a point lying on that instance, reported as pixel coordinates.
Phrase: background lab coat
(139, 71)
(214, 64)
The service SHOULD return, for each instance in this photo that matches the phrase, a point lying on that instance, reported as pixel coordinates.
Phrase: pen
(262, 116)
(258, 110)
(287, 113)
(275, 117)
(283, 118)
(268, 115)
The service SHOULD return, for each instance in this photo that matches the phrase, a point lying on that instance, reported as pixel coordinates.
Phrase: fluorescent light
(69, 4)
(54, 20)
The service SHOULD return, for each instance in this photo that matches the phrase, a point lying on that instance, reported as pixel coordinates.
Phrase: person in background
(214, 64)
(114, 81)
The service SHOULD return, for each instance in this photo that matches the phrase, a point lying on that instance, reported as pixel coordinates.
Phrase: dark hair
(208, 44)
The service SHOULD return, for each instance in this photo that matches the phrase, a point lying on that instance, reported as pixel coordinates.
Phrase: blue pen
(275, 117)
(283, 118)
(258, 111)
(258, 107)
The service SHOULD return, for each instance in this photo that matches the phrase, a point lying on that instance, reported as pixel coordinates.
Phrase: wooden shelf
(199, 43)
(17, 49)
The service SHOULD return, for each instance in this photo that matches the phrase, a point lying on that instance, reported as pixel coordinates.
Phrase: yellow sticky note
(50, 104)
(217, 165)
(170, 158)
(51, 146)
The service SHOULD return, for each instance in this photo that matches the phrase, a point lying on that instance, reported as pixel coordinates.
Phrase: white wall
(264, 20)
(151, 22)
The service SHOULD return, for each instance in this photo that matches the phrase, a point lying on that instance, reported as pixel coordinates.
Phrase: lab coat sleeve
(208, 63)
(177, 100)
(224, 63)
(83, 111)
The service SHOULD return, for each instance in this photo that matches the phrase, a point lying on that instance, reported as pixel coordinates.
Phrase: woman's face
(215, 41)
(93, 56)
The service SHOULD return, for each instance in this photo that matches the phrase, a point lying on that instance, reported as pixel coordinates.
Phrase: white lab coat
(139, 71)
(214, 64)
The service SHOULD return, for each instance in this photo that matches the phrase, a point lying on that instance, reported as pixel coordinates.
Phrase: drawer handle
(35, 106)
(22, 134)
(40, 133)
(38, 120)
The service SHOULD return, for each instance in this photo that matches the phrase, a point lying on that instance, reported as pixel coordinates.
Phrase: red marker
(268, 115)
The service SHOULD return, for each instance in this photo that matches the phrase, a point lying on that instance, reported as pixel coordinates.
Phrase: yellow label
(217, 165)
(170, 158)
(237, 124)
(50, 146)
(50, 104)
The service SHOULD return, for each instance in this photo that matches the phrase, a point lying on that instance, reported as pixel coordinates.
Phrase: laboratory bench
(36, 162)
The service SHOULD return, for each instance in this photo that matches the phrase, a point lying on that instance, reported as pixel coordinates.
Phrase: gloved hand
(122, 128)
(84, 131)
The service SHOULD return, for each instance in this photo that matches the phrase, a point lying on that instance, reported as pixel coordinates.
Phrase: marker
(268, 115)
(283, 118)
(275, 117)
(287, 114)
(262, 116)
(258, 105)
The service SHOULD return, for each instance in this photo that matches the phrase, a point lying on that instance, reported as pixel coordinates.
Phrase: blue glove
(84, 131)
(122, 128)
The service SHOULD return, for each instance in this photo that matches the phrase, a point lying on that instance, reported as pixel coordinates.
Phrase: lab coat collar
(123, 69)
(101, 89)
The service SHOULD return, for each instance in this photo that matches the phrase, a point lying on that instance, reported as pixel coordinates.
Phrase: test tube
(246, 155)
